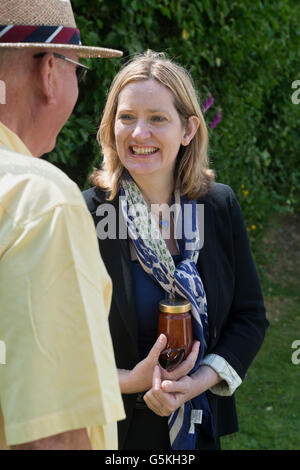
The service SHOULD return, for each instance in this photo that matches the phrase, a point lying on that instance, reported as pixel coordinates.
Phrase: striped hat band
(39, 34)
(44, 25)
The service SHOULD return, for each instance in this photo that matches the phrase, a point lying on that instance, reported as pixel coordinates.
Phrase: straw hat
(44, 24)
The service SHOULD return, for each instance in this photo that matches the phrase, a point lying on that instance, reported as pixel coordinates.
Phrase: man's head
(40, 96)
(39, 43)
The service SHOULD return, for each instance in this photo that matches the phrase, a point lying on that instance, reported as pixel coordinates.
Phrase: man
(59, 387)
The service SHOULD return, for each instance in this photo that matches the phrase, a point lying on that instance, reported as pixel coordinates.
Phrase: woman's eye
(126, 117)
(158, 118)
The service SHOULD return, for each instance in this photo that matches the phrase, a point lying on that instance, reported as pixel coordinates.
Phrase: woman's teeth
(143, 150)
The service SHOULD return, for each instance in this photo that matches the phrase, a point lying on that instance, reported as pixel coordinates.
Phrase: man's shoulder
(33, 185)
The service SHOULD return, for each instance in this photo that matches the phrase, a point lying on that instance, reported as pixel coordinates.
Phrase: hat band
(39, 34)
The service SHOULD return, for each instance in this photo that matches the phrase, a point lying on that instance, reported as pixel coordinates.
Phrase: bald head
(15, 69)
(11, 57)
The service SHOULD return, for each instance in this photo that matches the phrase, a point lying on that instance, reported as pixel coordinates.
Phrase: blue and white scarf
(182, 280)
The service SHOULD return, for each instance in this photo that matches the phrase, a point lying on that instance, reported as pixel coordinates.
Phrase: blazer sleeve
(243, 333)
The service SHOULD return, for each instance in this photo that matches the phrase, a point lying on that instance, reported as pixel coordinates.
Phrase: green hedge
(246, 53)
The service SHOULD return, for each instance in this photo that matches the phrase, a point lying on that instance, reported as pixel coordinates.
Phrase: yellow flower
(185, 34)
(245, 192)
(253, 227)
(242, 186)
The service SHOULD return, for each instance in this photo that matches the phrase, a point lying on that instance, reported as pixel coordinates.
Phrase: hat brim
(82, 51)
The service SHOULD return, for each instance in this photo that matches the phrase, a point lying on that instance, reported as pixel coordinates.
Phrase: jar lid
(174, 306)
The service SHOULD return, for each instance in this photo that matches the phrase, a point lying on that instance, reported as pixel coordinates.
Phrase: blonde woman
(154, 142)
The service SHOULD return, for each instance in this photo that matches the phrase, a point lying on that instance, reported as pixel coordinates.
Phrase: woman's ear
(190, 130)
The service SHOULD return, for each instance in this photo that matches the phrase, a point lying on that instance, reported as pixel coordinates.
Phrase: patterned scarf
(182, 280)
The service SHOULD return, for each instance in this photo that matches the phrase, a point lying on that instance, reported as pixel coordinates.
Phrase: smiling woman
(154, 141)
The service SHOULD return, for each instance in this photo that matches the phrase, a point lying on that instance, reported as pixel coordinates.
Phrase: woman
(154, 141)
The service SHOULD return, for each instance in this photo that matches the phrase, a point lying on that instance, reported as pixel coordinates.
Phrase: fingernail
(166, 383)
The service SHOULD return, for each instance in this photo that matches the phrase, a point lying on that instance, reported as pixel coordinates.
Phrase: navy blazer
(236, 313)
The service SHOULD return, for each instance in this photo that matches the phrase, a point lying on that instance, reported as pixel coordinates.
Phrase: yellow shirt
(59, 372)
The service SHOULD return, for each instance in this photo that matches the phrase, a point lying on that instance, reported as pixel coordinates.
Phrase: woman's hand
(139, 379)
(184, 367)
(165, 397)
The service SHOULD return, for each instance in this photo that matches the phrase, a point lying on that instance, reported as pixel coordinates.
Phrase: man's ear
(190, 130)
(47, 70)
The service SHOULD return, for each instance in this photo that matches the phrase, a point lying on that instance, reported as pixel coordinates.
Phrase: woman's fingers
(179, 386)
(191, 359)
(185, 367)
(157, 348)
(166, 396)
(156, 380)
(154, 404)
(156, 399)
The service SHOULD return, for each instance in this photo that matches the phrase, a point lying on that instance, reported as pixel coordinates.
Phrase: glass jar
(175, 322)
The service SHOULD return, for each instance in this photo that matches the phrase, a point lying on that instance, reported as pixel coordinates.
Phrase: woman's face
(148, 130)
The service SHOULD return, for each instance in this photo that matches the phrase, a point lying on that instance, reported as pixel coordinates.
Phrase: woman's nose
(141, 131)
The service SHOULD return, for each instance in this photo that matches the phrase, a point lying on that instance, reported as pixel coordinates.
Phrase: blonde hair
(192, 173)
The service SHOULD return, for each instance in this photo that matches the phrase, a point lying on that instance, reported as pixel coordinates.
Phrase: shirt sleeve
(60, 371)
(231, 380)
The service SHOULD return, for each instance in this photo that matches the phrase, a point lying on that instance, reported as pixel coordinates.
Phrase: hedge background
(246, 53)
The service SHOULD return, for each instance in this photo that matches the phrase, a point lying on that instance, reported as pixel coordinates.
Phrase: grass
(268, 401)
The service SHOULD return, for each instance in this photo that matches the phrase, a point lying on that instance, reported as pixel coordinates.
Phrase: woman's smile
(143, 151)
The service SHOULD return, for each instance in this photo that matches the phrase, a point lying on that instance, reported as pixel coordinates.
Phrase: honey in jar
(175, 322)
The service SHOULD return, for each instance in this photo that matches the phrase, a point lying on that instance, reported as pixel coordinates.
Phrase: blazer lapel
(116, 256)
(207, 266)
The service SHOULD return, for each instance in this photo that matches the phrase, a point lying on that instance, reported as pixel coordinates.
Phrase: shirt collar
(10, 140)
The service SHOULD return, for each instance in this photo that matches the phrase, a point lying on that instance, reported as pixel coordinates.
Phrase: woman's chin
(145, 168)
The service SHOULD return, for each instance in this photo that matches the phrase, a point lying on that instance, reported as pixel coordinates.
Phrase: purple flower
(208, 103)
(216, 120)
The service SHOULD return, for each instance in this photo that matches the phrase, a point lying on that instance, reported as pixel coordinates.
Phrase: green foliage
(268, 398)
(245, 53)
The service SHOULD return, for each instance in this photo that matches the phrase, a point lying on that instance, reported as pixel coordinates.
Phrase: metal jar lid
(174, 306)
